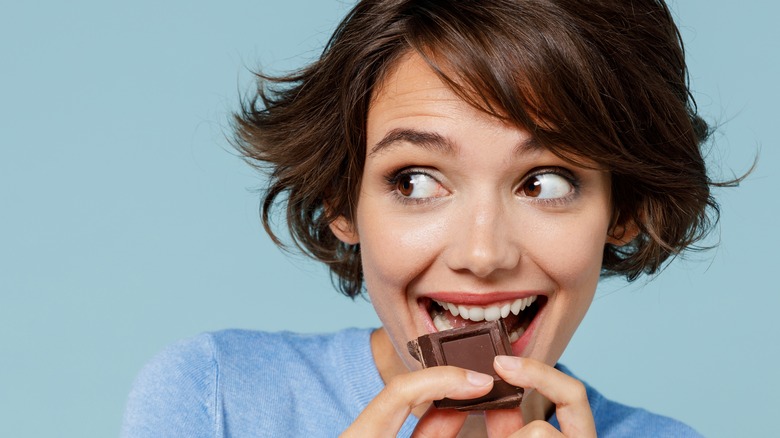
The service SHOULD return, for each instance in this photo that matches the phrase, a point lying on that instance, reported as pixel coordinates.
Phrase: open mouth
(517, 314)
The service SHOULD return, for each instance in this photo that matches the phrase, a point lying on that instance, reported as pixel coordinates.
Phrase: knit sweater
(238, 383)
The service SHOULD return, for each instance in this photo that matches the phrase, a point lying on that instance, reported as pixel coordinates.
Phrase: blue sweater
(253, 384)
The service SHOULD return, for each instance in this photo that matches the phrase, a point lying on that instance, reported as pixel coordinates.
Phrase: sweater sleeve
(175, 394)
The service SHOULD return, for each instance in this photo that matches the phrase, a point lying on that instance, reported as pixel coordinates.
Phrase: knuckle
(397, 386)
(407, 389)
(580, 393)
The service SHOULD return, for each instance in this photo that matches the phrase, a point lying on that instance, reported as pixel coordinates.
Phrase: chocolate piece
(472, 347)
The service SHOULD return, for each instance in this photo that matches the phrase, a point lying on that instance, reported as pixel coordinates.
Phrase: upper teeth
(490, 313)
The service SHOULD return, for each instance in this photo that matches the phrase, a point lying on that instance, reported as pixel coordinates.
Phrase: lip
(484, 299)
(480, 299)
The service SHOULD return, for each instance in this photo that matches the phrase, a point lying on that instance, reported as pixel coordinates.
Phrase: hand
(567, 393)
(386, 413)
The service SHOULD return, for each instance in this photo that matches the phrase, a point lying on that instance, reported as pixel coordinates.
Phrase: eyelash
(395, 176)
(564, 173)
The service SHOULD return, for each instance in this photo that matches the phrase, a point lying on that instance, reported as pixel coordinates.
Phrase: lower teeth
(441, 322)
(516, 333)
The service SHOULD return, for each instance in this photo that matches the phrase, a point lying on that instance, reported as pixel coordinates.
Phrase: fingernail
(478, 379)
(508, 362)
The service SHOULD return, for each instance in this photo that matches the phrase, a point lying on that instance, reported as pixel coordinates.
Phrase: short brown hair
(603, 80)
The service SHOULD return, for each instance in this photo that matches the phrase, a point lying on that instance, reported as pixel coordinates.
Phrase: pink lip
(427, 321)
(480, 299)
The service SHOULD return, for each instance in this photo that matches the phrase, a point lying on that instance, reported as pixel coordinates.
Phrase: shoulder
(241, 380)
(273, 346)
(271, 358)
(618, 420)
(175, 392)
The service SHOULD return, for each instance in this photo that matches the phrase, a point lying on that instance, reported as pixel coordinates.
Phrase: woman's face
(462, 214)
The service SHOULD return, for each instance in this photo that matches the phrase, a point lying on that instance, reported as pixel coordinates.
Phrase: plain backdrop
(127, 222)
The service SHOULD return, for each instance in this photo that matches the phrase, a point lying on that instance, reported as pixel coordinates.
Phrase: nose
(484, 240)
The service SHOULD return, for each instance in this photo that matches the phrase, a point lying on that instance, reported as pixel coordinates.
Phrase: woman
(457, 161)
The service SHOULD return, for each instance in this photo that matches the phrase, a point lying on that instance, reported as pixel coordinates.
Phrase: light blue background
(126, 222)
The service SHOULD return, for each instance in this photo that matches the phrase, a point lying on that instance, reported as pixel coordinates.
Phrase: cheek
(571, 252)
(580, 264)
(395, 249)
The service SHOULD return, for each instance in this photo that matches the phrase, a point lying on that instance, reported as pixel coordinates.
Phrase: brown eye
(418, 185)
(405, 185)
(546, 186)
(532, 187)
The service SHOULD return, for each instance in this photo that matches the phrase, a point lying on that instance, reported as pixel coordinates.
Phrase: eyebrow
(425, 139)
(436, 142)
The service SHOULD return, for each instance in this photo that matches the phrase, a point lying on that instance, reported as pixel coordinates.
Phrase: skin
(467, 231)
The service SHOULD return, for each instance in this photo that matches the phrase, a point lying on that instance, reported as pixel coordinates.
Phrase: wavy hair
(603, 80)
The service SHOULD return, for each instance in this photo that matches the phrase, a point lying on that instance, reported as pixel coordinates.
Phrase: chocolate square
(472, 347)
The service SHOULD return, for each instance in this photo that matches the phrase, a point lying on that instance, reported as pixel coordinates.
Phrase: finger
(387, 412)
(502, 422)
(536, 429)
(567, 393)
(440, 423)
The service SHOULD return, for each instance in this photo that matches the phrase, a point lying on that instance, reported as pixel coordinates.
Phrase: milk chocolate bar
(472, 347)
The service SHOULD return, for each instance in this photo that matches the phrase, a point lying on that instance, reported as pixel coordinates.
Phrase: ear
(622, 233)
(345, 230)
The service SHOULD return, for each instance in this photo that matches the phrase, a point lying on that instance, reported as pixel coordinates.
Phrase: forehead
(413, 110)
(408, 85)
(412, 94)
(411, 90)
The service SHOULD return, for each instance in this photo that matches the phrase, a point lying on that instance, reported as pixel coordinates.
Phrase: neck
(534, 405)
